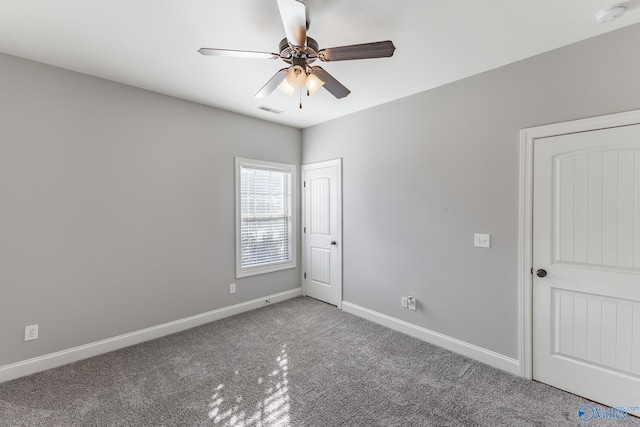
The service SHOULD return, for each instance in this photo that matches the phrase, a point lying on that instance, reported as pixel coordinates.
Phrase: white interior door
(322, 231)
(586, 236)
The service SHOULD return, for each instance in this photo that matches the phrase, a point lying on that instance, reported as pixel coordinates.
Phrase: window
(265, 220)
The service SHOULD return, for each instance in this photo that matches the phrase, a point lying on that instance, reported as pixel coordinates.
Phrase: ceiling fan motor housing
(302, 62)
(291, 54)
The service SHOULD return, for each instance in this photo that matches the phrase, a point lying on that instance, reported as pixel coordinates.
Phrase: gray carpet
(297, 363)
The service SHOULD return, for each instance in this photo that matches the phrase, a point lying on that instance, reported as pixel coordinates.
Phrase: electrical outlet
(404, 302)
(31, 332)
(232, 288)
(411, 303)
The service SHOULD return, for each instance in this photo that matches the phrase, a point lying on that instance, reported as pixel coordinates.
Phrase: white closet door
(586, 310)
(323, 231)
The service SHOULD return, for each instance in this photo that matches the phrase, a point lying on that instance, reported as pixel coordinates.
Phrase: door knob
(541, 273)
(334, 243)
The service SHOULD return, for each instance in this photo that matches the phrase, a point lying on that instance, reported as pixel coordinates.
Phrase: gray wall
(423, 174)
(117, 207)
(116, 204)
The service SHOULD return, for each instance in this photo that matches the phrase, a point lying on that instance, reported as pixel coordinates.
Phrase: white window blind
(265, 223)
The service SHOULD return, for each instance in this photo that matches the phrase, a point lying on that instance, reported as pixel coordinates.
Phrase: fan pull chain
(300, 93)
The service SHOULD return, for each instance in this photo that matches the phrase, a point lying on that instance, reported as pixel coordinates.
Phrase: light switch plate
(482, 240)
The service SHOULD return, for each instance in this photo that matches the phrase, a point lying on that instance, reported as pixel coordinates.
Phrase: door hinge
(304, 184)
(532, 271)
(305, 275)
(304, 230)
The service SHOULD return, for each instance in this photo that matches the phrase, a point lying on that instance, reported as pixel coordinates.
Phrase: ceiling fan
(300, 51)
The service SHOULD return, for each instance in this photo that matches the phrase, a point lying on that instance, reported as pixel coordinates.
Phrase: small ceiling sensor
(611, 13)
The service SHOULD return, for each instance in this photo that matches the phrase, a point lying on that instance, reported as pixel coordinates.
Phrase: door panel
(320, 202)
(323, 231)
(596, 208)
(586, 316)
(595, 329)
(320, 265)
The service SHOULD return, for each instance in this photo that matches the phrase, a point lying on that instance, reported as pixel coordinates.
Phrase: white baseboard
(469, 350)
(53, 360)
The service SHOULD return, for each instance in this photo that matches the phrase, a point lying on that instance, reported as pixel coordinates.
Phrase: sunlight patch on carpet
(272, 408)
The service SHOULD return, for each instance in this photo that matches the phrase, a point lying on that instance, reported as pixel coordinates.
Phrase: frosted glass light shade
(313, 83)
(296, 76)
(287, 88)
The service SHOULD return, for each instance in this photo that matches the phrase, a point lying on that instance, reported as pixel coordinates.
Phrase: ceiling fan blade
(336, 88)
(383, 49)
(237, 53)
(294, 20)
(272, 84)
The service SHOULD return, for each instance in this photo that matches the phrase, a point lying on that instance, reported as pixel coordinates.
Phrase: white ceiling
(153, 44)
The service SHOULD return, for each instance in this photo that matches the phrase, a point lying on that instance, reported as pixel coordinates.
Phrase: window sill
(263, 270)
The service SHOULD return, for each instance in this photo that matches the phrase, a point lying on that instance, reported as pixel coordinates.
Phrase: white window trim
(261, 164)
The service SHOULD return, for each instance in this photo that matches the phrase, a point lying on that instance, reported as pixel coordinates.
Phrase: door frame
(528, 137)
(303, 244)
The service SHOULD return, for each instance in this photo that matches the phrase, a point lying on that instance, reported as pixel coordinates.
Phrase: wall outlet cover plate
(31, 332)
(482, 240)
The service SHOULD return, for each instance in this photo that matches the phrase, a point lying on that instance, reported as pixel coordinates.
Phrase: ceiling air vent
(269, 109)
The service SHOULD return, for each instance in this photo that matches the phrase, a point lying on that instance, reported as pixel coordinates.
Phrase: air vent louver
(269, 109)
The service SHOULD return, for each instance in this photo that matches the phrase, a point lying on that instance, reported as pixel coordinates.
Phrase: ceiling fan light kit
(300, 51)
